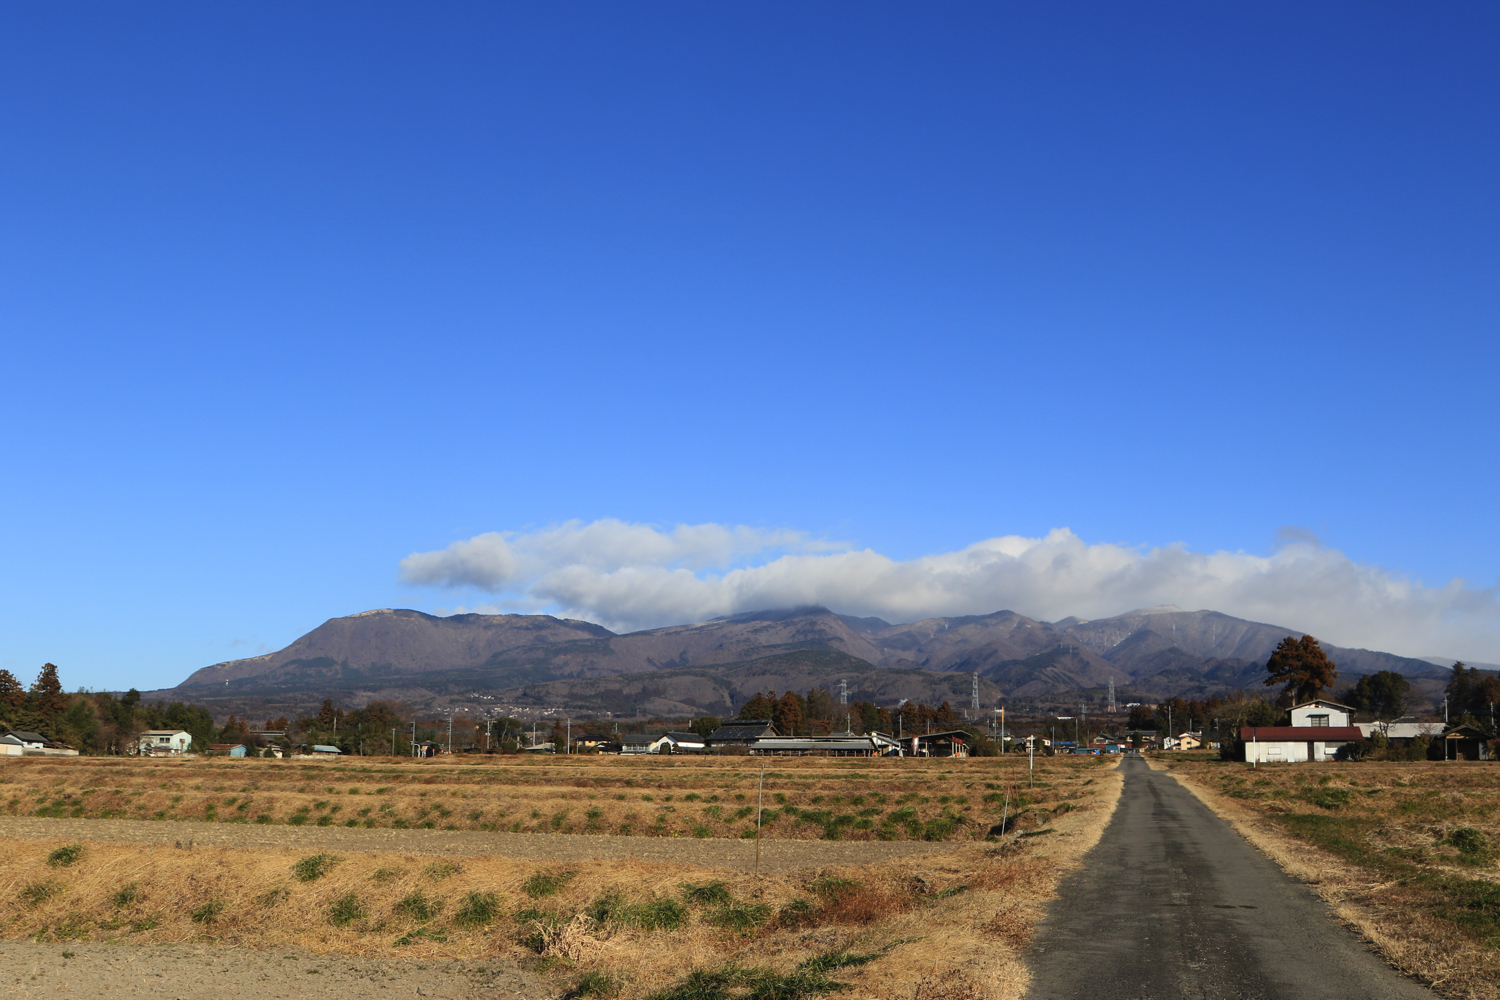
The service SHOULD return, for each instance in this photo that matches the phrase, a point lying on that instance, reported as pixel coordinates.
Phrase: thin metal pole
(1005, 816)
(1031, 760)
(760, 793)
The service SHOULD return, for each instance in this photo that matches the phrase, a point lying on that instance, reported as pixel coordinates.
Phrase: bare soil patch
(130, 972)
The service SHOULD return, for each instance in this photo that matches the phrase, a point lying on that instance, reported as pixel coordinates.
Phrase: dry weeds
(952, 921)
(1376, 840)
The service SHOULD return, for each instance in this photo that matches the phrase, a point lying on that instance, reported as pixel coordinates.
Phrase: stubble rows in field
(931, 800)
(621, 926)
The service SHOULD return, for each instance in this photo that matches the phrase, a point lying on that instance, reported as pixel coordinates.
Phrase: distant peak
(777, 614)
(1161, 609)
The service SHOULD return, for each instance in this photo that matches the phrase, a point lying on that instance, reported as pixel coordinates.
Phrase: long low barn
(819, 746)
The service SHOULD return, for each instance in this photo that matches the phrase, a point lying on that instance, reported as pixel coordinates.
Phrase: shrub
(546, 883)
(314, 867)
(1468, 841)
(477, 910)
(65, 856)
(345, 910)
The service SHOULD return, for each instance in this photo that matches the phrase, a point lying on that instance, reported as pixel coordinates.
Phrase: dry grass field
(1408, 853)
(948, 922)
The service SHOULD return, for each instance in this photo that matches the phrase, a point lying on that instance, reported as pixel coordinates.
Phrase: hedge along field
(951, 923)
(1409, 852)
(939, 799)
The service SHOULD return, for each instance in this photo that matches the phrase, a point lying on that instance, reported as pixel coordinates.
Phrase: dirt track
(178, 972)
(776, 855)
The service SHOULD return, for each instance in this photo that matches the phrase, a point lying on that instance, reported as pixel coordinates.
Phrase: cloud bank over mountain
(634, 576)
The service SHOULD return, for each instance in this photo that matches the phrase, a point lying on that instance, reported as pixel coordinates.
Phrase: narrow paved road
(1174, 903)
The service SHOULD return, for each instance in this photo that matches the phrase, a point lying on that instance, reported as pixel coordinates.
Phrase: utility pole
(393, 743)
(1002, 722)
(450, 732)
(414, 736)
(568, 741)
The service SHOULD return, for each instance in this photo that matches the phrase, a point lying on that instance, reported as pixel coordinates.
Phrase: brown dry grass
(952, 921)
(1374, 840)
(700, 797)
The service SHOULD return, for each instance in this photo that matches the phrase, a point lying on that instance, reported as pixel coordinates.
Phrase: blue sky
(292, 292)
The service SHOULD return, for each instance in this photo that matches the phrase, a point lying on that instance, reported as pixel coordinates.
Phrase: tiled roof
(1301, 734)
(743, 729)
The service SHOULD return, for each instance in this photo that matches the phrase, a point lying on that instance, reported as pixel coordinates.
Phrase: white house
(164, 741)
(11, 745)
(1400, 729)
(678, 743)
(35, 744)
(1318, 729)
(1183, 741)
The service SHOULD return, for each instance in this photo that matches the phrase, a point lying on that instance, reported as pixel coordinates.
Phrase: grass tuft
(345, 910)
(418, 907)
(594, 984)
(37, 893)
(208, 912)
(314, 867)
(478, 909)
(70, 854)
(740, 918)
(547, 883)
(125, 895)
(714, 893)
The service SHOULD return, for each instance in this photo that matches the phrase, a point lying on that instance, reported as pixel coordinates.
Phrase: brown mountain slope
(384, 642)
(384, 649)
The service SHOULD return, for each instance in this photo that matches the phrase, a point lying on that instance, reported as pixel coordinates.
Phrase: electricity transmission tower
(1111, 696)
(974, 704)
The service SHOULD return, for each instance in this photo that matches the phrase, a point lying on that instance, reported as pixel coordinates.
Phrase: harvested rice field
(904, 917)
(711, 797)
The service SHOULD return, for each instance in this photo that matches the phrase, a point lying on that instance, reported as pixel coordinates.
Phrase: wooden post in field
(760, 793)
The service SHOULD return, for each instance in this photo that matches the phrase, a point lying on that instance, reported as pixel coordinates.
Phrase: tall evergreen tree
(1301, 666)
(47, 698)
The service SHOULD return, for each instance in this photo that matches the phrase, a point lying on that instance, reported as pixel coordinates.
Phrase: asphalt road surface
(1173, 903)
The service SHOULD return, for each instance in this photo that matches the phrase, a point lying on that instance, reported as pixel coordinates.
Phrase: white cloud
(630, 576)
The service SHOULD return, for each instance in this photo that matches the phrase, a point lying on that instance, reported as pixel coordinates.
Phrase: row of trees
(816, 714)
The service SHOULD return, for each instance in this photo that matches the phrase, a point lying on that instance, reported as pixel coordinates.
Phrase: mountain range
(709, 666)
